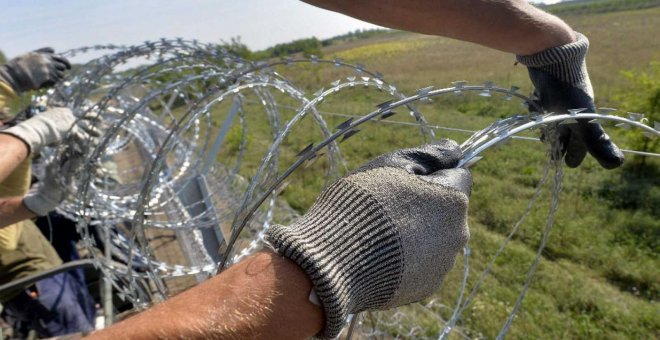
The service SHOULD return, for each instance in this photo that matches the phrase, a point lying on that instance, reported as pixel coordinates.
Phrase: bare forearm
(508, 25)
(13, 210)
(13, 152)
(263, 297)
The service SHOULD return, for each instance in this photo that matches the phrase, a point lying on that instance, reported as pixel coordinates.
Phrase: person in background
(52, 306)
(21, 138)
(61, 233)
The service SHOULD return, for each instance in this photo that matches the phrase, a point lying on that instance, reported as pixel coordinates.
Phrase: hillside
(576, 7)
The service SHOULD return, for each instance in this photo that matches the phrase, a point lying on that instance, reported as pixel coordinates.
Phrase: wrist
(43, 129)
(573, 51)
(14, 145)
(566, 63)
(26, 135)
(17, 139)
(560, 34)
(349, 250)
(540, 30)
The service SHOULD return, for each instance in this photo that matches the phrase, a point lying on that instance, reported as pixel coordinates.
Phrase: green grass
(599, 274)
(599, 6)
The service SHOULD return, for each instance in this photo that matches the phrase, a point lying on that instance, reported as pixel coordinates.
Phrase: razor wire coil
(158, 119)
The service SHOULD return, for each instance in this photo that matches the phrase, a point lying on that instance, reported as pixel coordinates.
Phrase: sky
(26, 25)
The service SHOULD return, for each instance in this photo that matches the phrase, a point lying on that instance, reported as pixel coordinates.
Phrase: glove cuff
(43, 129)
(566, 62)
(38, 204)
(26, 134)
(349, 248)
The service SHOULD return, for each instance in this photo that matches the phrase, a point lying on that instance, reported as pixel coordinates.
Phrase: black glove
(34, 70)
(562, 83)
(385, 235)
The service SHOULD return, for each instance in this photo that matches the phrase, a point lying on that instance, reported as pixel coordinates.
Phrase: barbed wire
(161, 163)
(466, 131)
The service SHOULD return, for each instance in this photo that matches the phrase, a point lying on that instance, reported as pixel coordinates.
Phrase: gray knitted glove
(51, 126)
(384, 236)
(562, 83)
(34, 70)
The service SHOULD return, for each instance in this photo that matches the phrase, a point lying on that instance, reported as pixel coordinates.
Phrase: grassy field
(599, 6)
(599, 274)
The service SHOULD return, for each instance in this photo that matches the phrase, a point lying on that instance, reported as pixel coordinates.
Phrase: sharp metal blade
(574, 112)
(311, 160)
(384, 104)
(344, 124)
(387, 115)
(306, 150)
(606, 110)
(635, 116)
(349, 134)
(319, 92)
(424, 90)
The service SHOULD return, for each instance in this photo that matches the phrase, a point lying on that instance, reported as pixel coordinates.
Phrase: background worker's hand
(383, 236)
(45, 195)
(562, 83)
(34, 70)
(50, 127)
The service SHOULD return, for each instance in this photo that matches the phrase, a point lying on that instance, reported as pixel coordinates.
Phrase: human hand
(50, 127)
(34, 70)
(562, 83)
(54, 187)
(57, 181)
(383, 236)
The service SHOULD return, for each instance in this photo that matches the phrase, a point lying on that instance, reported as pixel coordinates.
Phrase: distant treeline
(310, 46)
(355, 35)
(306, 47)
(599, 6)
